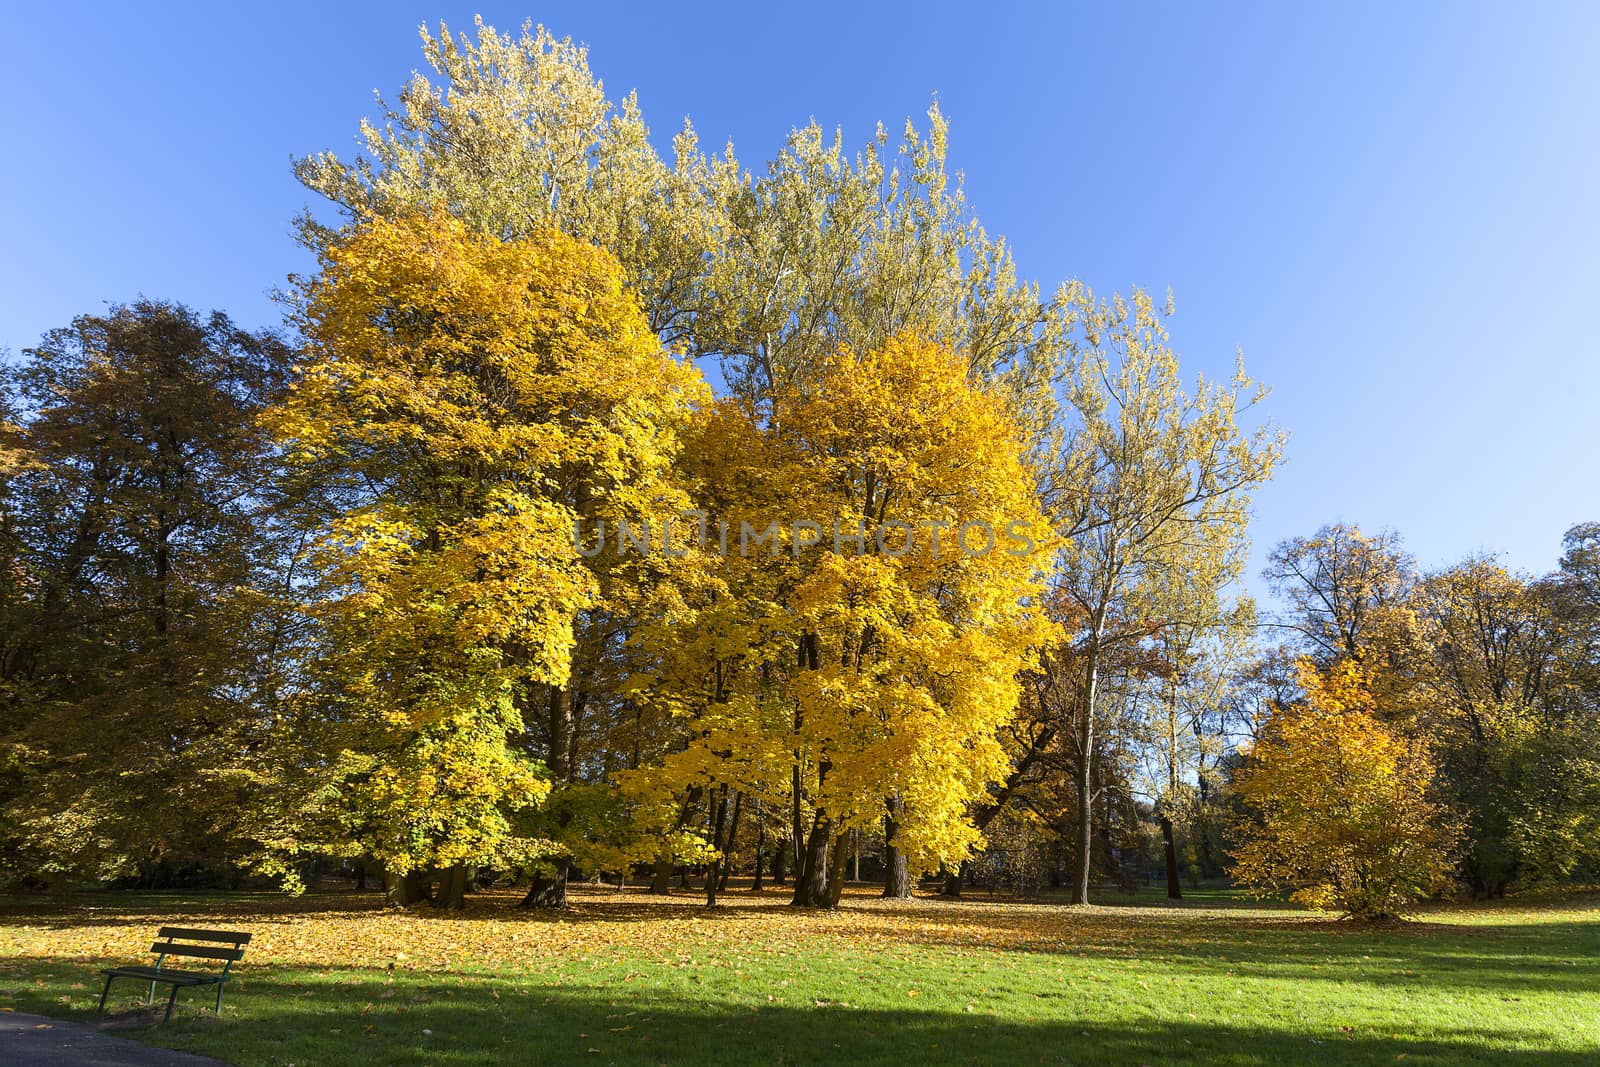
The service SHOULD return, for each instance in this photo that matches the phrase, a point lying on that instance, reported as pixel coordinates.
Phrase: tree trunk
(452, 889)
(839, 857)
(402, 891)
(1084, 779)
(1174, 890)
(733, 833)
(810, 850)
(953, 881)
(661, 877)
(549, 890)
(811, 879)
(896, 873)
(1085, 858)
(719, 846)
(780, 863)
(797, 828)
(761, 848)
(1208, 859)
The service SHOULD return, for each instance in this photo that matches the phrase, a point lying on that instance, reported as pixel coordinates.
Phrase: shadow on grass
(1502, 957)
(490, 1023)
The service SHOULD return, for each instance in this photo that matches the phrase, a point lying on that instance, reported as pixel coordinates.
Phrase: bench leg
(170, 1002)
(103, 993)
(150, 998)
(219, 998)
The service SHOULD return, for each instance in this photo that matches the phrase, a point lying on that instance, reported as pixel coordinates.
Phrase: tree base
(547, 891)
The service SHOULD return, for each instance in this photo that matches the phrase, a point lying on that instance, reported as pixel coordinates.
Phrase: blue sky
(1392, 209)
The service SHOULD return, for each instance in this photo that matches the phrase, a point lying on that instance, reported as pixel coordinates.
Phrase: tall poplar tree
(1153, 485)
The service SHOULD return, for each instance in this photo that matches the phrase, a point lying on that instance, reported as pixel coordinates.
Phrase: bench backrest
(173, 945)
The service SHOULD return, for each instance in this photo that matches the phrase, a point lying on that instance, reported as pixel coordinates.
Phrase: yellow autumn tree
(461, 404)
(711, 675)
(1339, 810)
(862, 657)
(911, 648)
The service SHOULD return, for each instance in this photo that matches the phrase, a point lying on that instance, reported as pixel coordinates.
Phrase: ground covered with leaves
(623, 977)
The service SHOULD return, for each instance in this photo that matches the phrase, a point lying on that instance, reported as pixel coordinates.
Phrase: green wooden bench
(172, 946)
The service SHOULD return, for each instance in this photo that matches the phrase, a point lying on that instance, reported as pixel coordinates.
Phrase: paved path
(35, 1041)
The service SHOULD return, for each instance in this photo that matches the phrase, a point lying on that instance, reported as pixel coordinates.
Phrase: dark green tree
(137, 557)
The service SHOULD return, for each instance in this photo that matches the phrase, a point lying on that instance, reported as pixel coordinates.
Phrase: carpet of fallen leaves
(349, 929)
(355, 929)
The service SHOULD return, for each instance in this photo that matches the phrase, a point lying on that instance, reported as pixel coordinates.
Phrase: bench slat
(150, 974)
(205, 952)
(204, 935)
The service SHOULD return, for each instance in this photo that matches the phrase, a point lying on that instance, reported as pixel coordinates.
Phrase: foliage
(1492, 669)
(1482, 656)
(769, 271)
(929, 642)
(852, 673)
(1340, 812)
(462, 402)
(138, 569)
(352, 619)
(520, 138)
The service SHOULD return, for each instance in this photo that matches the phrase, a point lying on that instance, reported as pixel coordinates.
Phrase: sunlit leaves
(1339, 804)
(862, 674)
(463, 402)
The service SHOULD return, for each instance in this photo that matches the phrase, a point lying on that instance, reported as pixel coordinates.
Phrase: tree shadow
(485, 1025)
(1508, 957)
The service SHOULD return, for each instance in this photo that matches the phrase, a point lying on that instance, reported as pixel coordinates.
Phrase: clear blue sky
(1391, 208)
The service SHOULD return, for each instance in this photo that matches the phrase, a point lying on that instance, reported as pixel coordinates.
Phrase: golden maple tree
(462, 403)
(837, 676)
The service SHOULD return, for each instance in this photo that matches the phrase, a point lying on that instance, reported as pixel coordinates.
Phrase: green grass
(625, 980)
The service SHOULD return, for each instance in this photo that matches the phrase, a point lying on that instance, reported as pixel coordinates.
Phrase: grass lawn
(629, 979)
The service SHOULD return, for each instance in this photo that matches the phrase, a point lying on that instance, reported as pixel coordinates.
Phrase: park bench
(173, 946)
